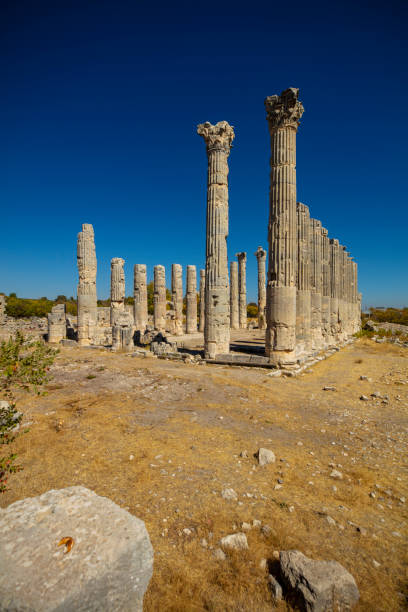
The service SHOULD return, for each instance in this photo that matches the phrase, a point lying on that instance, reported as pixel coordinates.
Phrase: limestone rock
(275, 588)
(266, 456)
(229, 494)
(235, 541)
(108, 568)
(323, 586)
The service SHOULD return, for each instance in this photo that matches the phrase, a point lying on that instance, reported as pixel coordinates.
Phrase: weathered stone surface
(117, 288)
(177, 298)
(87, 301)
(235, 541)
(159, 315)
(140, 297)
(316, 282)
(108, 567)
(242, 301)
(218, 139)
(234, 295)
(202, 301)
(191, 300)
(2, 308)
(260, 255)
(303, 296)
(266, 456)
(57, 326)
(322, 585)
(283, 115)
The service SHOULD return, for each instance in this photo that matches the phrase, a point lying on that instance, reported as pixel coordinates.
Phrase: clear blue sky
(99, 107)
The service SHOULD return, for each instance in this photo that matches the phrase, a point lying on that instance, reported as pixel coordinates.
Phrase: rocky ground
(174, 443)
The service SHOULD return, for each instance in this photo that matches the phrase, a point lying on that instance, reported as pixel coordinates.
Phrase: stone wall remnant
(57, 325)
(218, 139)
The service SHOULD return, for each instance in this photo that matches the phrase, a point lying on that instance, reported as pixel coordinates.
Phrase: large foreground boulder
(322, 586)
(106, 563)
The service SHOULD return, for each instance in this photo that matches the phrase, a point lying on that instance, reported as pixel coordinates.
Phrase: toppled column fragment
(218, 139)
(283, 115)
(57, 325)
(87, 301)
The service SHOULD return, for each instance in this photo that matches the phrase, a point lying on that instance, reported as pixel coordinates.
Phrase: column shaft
(159, 299)
(202, 301)
(140, 297)
(87, 300)
(177, 297)
(242, 259)
(191, 300)
(234, 295)
(260, 255)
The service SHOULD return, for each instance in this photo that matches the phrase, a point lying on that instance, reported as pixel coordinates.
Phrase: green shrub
(252, 310)
(23, 365)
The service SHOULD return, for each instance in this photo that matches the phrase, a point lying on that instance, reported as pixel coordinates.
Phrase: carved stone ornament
(284, 110)
(218, 136)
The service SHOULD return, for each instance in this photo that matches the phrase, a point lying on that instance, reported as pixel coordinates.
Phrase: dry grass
(184, 454)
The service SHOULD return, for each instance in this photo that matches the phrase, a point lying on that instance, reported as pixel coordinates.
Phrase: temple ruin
(308, 299)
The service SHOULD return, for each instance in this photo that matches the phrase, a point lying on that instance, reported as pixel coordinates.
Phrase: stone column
(342, 291)
(283, 115)
(303, 298)
(356, 300)
(242, 259)
(202, 301)
(2, 308)
(57, 326)
(218, 139)
(234, 295)
(316, 283)
(177, 297)
(159, 314)
(326, 331)
(334, 289)
(117, 288)
(87, 301)
(261, 259)
(140, 296)
(191, 300)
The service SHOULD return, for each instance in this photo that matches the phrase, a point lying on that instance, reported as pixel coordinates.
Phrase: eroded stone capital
(260, 253)
(284, 110)
(218, 136)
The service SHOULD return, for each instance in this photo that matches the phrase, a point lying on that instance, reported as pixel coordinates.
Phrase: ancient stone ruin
(308, 299)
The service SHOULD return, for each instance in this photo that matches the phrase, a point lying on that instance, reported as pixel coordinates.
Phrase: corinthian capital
(284, 110)
(218, 136)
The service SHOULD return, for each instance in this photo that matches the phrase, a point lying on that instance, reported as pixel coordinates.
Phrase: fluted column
(140, 297)
(334, 288)
(218, 139)
(177, 297)
(242, 259)
(191, 300)
(117, 288)
(316, 283)
(202, 301)
(303, 298)
(159, 298)
(87, 300)
(234, 295)
(342, 291)
(57, 325)
(283, 115)
(260, 255)
(326, 331)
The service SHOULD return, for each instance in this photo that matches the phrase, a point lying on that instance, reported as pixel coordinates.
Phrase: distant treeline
(389, 315)
(25, 307)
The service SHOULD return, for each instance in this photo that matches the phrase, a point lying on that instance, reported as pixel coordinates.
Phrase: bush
(390, 315)
(23, 365)
(252, 310)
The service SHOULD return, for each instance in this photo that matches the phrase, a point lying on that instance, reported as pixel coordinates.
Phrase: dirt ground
(163, 440)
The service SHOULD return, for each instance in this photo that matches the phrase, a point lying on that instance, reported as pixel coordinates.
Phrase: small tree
(24, 364)
(252, 310)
